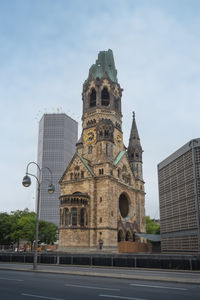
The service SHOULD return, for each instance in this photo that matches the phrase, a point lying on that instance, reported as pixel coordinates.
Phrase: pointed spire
(134, 136)
(134, 147)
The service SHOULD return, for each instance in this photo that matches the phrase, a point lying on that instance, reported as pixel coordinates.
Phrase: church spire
(135, 150)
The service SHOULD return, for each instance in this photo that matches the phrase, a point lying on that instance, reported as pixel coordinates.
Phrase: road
(146, 274)
(22, 285)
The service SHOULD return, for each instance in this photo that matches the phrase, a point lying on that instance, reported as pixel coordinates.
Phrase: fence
(161, 261)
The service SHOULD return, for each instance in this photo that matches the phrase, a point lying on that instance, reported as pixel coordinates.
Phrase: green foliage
(47, 232)
(151, 226)
(16, 229)
(5, 229)
(27, 227)
(21, 225)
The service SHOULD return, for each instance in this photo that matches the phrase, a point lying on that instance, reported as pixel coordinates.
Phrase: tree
(151, 226)
(21, 225)
(27, 227)
(16, 232)
(5, 229)
(47, 232)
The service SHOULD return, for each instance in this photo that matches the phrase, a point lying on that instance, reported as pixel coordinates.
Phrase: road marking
(42, 297)
(120, 297)
(159, 286)
(92, 287)
(1, 278)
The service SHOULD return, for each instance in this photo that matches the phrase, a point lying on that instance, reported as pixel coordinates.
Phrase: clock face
(90, 136)
(119, 139)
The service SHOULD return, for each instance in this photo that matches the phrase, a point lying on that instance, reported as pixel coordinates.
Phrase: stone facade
(102, 198)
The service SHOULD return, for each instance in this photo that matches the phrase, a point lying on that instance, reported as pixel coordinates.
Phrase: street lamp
(51, 189)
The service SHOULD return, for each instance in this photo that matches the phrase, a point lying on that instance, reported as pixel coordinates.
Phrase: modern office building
(179, 196)
(56, 146)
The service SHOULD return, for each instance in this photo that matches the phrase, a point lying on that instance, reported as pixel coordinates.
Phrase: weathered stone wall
(74, 237)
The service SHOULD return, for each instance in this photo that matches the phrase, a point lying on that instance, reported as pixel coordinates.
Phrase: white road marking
(120, 297)
(159, 287)
(41, 297)
(2, 278)
(92, 287)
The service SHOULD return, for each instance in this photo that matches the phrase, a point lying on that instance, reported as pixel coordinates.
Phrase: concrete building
(102, 190)
(56, 146)
(179, 197)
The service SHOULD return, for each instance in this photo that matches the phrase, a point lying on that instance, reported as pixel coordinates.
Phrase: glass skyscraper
(56, 146)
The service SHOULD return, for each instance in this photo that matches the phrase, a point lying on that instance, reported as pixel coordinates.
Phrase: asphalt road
(160, 275)
(16, 285)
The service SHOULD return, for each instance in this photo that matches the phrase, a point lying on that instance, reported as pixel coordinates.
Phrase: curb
(109, 275)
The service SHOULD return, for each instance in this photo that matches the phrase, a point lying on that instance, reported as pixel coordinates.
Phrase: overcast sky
(46, 49)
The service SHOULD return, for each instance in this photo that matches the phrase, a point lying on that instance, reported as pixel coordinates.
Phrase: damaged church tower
(102, 190)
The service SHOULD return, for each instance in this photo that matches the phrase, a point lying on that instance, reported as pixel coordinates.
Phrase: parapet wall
(134, 247)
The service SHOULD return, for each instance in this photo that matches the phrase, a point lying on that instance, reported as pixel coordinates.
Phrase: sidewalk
(191, 277)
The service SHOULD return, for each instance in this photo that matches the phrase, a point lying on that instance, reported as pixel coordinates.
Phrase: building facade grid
(56, 146)
(179, 195)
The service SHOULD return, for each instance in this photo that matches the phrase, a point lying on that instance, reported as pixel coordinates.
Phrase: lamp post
(26, 183)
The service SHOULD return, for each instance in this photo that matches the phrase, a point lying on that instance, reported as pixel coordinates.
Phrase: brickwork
(134, 247)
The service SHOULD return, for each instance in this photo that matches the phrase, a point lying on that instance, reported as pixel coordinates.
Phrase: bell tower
(102, 119)
(101, 202)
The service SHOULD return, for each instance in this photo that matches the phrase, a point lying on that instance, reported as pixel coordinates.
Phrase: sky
(46, 50)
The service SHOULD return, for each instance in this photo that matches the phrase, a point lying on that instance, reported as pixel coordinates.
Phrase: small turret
(135, 151)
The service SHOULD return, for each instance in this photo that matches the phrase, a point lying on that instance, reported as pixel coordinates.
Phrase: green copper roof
(85, 164)
(119, 157)
(104, 64)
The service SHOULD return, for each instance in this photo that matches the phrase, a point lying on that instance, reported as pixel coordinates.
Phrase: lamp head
(51, 188)
(26, 181)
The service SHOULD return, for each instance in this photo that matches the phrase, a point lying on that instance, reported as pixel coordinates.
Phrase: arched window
(106, 132)
(120, 236)
(128, 236)
(74, 216)
(82, 217)
(67, 217)
(134, 237)
(101, 172)
(93, 98)
(118, 173)
(105, 97)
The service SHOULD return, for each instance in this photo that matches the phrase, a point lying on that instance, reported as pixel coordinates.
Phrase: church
(102, 199)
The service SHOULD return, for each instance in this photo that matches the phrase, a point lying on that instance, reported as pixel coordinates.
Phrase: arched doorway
(120, 236)
(128, 236)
